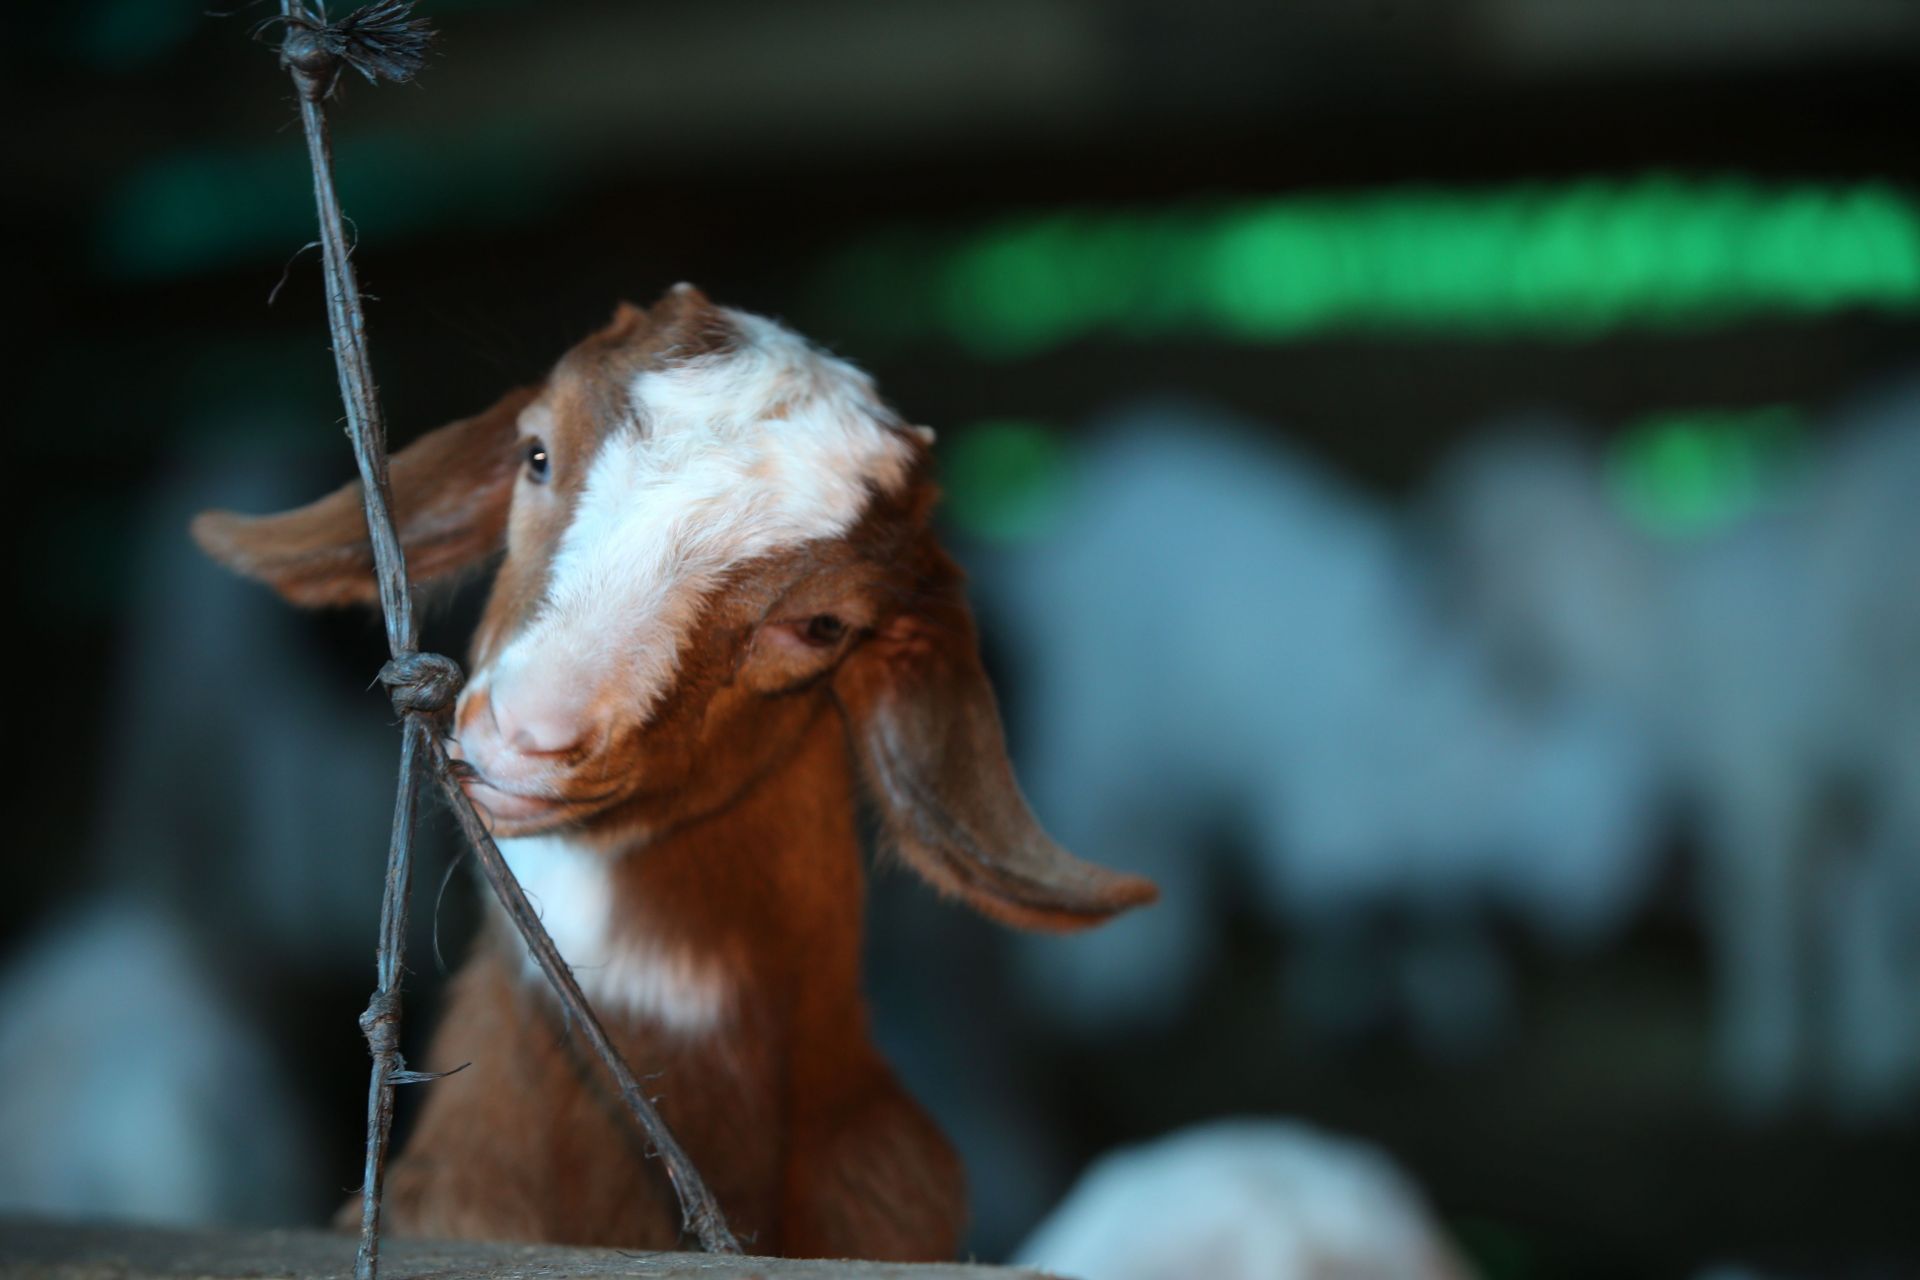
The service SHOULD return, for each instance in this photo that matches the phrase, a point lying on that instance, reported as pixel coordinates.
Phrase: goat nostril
(533, 728)
(539, 719)
(528, 743)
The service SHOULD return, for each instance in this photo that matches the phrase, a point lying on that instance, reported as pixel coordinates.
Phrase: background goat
(1326, 724)
(1511, 701)
(1770, 665)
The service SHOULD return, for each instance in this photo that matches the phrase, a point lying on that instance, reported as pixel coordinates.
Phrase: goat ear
(928, 736)
(451, 491)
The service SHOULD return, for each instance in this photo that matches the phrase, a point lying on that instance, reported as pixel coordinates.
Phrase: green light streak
(132, 35)
(1566, 261)
(1683, 474)
(1004, 480)
(1676, 474)
(124, 35)
(205, 209)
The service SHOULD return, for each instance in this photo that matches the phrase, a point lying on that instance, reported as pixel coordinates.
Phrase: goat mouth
(523, 812)
(505, 806)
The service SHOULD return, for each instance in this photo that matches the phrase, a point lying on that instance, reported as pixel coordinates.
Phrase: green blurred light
(1497, 1250)
(121, 35)
(1005, 480)
(197, 210)
(1566, 260)
(1681, 474)
(1675, 473)
(129, 35)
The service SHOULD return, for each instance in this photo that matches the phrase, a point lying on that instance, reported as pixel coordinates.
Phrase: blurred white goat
(1775, 667)
(1243, 1200)
(133, 1088)
(139, 1084)
(1223, 641)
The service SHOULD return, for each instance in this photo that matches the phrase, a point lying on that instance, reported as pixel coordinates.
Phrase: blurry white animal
(1225, 646)
(137, 1084)
(132, 1089)
(218, 692)
(1774, 667)
(1243, 1200)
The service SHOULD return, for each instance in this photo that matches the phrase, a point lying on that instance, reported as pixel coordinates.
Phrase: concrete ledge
(86, 1251)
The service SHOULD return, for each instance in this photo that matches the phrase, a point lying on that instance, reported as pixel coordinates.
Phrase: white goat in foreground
(1243, 1200)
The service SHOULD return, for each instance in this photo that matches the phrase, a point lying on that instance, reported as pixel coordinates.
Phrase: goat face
(714, 536)
(708, 515)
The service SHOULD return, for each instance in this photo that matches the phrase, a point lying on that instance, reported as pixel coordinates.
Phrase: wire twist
(383, 41)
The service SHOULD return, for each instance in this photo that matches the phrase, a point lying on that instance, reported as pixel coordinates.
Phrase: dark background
(558, 157)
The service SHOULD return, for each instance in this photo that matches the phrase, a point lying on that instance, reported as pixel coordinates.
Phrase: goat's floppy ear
(451, 491)
(927, 732)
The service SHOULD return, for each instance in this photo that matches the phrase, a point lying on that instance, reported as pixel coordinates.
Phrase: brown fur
(450, 493)
(729, 818)
(797, 1124)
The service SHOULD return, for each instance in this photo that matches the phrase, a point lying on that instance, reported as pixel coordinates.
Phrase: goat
(1333, 742)
(721, 603)
(1770, 664)
(1243, 1199)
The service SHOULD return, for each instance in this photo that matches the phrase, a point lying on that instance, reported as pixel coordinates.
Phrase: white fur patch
(571, 887)
(765, 446)
(1239, 1199)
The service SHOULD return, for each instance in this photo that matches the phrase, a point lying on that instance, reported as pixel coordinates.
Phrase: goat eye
(538, 463)
(824, 629)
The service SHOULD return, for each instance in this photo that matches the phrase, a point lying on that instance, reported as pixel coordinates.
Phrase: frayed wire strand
(381, 41)
(384, 41)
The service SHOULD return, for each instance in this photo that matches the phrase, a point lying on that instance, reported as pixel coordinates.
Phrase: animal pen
(1532, 798)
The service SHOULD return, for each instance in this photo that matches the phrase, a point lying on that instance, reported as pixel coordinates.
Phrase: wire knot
(422, 683)
(382, 41)
(381, 1023)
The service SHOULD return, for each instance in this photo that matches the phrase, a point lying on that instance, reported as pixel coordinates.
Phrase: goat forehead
(765, 377)
(722, 458)
(732, 455)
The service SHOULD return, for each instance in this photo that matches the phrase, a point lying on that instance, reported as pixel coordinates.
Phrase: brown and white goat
(720, 605)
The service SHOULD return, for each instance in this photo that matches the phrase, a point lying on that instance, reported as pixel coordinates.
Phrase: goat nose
(539, 722)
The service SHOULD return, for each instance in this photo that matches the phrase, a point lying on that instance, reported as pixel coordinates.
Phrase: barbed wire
(385, 41)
